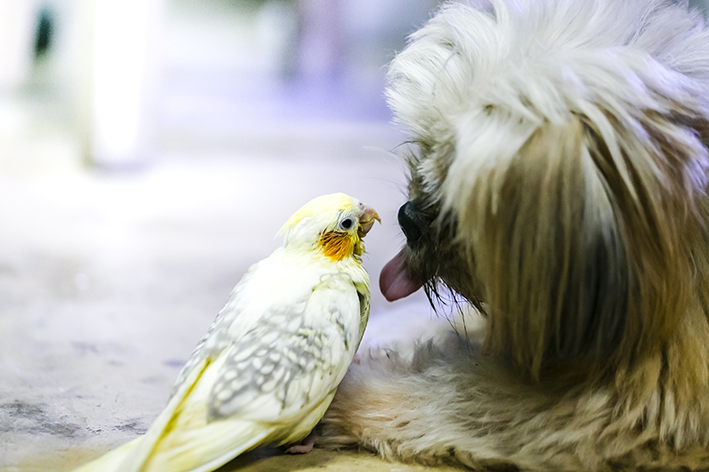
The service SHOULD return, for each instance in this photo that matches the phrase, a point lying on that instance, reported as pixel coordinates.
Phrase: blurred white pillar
(322, 48)
(17, 26)
(121, 63)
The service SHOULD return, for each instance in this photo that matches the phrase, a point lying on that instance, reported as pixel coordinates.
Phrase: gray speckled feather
(281, 355)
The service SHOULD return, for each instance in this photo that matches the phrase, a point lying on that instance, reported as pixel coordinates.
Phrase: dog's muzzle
(411, 222)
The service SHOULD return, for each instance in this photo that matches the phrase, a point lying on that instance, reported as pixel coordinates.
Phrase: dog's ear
(581, 232)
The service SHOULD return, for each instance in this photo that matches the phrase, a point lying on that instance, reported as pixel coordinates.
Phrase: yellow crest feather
(321, 205)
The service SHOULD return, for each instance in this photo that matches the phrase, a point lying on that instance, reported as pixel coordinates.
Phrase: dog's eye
(410, 222)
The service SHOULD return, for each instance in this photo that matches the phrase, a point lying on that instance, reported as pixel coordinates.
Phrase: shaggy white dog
(559, 185)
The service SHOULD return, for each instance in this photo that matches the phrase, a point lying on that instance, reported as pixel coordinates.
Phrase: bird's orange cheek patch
(336, 246)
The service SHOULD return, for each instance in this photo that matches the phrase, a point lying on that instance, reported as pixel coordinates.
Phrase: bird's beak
(366, 221)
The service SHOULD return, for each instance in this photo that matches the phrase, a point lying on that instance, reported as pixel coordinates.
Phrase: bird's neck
(350, 265)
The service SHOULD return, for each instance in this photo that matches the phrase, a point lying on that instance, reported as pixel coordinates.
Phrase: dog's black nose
(410, 222)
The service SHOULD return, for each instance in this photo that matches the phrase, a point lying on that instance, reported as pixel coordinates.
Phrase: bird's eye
(346, 223)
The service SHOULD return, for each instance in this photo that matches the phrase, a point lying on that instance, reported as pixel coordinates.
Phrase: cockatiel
(270, 363)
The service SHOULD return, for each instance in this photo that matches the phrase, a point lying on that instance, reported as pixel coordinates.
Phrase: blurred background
(149, 152)
(125, 84)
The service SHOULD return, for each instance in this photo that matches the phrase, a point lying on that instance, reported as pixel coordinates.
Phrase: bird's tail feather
(111, 461)
(138, 456)
(210, 448)
(181, 439)
(131, 457)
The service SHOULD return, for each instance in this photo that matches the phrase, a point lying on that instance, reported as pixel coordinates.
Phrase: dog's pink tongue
(394, 281)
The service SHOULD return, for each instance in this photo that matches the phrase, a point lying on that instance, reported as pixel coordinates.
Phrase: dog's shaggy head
(559, 181)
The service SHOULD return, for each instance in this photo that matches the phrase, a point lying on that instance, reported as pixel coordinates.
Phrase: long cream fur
(562, 169)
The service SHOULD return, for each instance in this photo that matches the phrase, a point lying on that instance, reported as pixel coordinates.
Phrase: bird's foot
(305, 446)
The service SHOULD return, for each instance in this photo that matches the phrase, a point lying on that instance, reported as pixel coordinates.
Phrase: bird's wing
(218, 335)
(364, 307)
(292, 358)
(272, 383)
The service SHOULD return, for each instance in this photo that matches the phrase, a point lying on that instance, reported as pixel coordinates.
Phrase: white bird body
(269, 365)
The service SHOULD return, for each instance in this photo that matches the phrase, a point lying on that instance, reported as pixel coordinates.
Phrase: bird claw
(304, 447)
